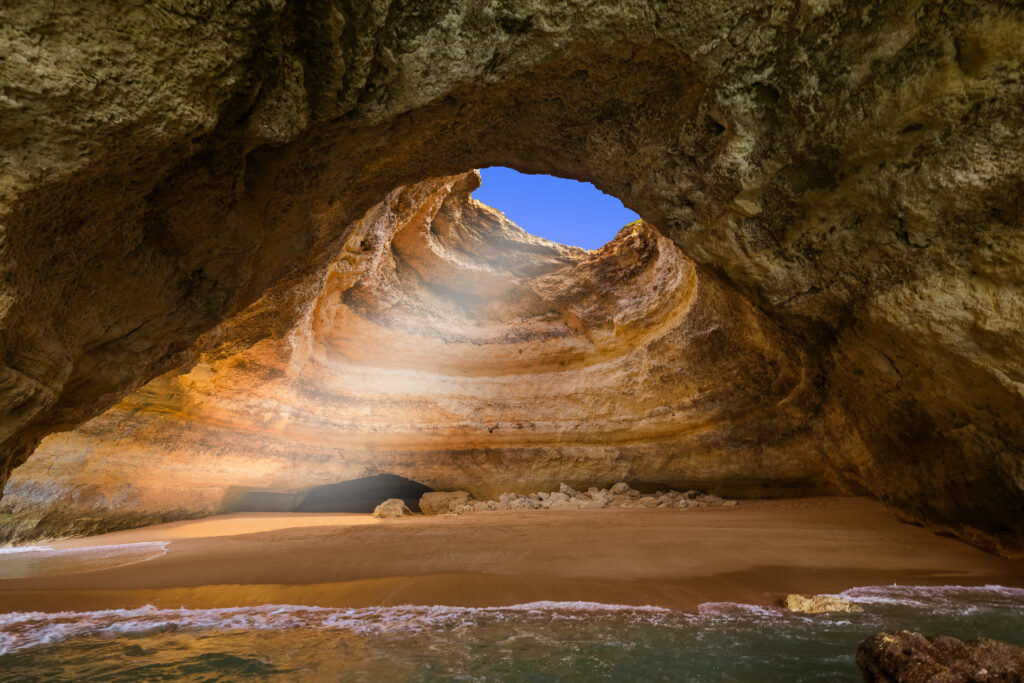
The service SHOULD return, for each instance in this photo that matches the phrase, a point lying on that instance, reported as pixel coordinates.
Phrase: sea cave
(273, 371)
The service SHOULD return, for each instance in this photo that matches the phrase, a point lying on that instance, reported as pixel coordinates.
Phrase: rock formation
(446, 345)
(819, 604)
(443, 502)
(908, 657)
(567, 498)
(852, 168)
(392, 507)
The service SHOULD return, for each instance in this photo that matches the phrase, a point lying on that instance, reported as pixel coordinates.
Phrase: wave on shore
(23, 630)
(32, 561)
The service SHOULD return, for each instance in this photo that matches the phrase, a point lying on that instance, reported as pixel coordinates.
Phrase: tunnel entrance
(354, 495)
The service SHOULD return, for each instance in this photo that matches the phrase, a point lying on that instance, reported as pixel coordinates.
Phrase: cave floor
(753, 553)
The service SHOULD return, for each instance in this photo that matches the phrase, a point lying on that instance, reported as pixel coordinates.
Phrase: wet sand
(753, 553)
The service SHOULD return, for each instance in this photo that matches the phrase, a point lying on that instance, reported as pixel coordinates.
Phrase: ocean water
(533, 642)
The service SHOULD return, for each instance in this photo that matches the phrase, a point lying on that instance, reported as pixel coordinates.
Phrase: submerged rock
(820, 604)
(910, 657)
(392, 507)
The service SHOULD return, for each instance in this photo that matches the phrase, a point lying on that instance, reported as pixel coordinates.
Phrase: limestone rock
(819, 604)
(392, 507)
(388, 356)
(442, 502)
(909, 657)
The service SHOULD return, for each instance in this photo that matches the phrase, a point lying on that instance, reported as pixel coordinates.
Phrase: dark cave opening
(354, 495)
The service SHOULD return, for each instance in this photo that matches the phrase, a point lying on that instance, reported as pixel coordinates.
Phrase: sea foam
(947, 597)
(24, 549)
(21, 630)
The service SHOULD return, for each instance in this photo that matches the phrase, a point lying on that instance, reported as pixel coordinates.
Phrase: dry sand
(755, 553)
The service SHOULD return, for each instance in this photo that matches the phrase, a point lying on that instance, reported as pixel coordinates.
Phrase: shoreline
(753, 553)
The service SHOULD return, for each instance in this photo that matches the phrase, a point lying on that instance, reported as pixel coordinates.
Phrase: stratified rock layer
(446, 345)
(854, 168)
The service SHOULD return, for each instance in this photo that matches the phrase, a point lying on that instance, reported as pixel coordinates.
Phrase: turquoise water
(535, 642)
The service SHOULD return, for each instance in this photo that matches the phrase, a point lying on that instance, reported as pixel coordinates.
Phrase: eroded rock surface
(853, 168)
(446, 345)
(909, 657)
(819, 604)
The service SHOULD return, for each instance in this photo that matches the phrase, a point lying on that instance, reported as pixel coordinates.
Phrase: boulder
(819, 604)
(909, 657)
(392, 507)
(620, 489)
(524, 504)
(442, 502)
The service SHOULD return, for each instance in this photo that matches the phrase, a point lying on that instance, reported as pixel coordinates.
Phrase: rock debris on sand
(620, 495)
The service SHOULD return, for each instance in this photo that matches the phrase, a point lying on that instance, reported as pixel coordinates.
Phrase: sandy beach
(753, 553)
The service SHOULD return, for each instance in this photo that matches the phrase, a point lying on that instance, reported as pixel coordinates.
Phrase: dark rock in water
(909, 657)
(362, 495)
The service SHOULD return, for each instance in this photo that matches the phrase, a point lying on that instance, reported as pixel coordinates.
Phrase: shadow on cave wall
(355, 495)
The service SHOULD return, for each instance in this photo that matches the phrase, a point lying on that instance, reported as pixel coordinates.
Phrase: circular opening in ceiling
(565, 211)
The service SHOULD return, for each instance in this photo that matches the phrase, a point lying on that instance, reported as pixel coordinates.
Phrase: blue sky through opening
(560, 210)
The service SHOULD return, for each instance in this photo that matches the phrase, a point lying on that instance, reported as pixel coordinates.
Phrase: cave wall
(853, 168)
(446, 345)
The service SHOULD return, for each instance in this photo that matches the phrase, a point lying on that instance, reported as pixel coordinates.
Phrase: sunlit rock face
(851, 167)
(448, 346)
